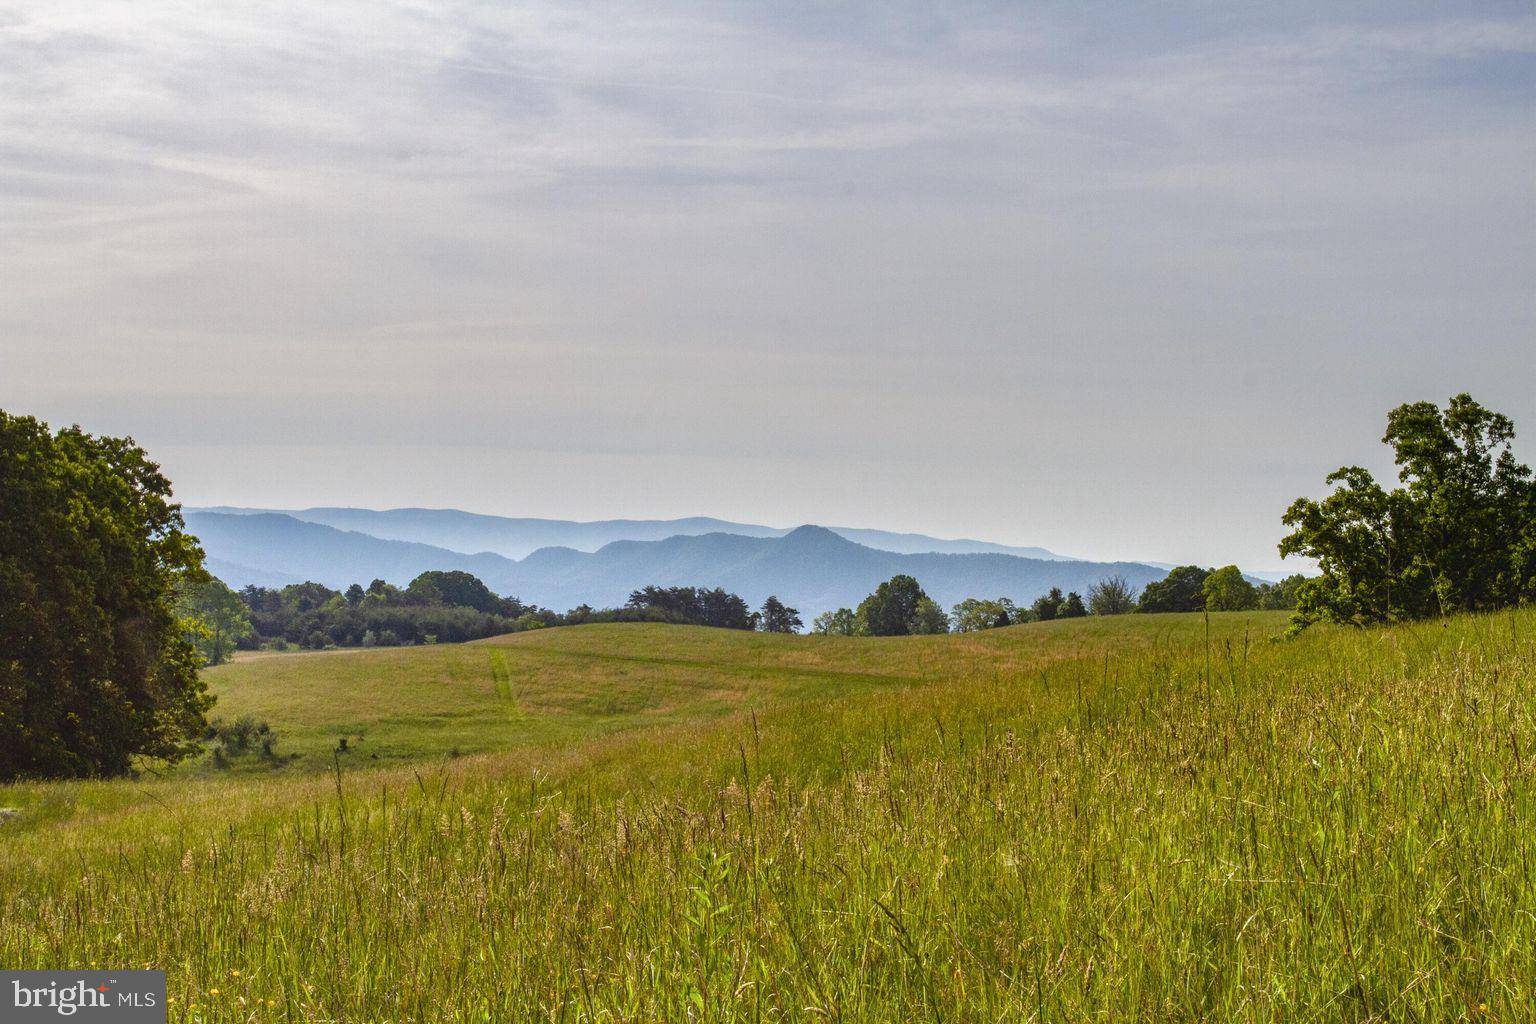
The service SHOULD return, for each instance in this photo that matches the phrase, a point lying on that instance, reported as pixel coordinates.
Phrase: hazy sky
(1117, 279)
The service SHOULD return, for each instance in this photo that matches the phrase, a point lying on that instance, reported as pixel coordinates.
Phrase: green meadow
(1145, 817)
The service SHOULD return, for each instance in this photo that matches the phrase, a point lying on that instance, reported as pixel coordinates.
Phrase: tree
(892, 610)
(218, 617)
(1458, 535)
(1112, 595)
(975, 614)
(355, 594)
(1072, 607)
(842, 622)
(457, 588)
(1182, 590)
(776, 618)
(1281, 596)
(694, 605)
(1048, 606)
(1225, 590)
(929, 618)
(96, 667)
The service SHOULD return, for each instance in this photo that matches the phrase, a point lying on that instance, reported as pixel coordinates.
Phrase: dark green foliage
(893, 609)
(1072, 607)
(930, 618)
(1111, 596)
(776, 618)
(1182, 590)
(315, 616)
(1225, 590)
(693, 606)
(1048, 606)
(1458, 535)
(1280, 597)
(96, 667)
(461, 590)
(451, 607)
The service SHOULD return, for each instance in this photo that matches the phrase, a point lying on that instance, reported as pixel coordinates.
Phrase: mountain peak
(811, 534)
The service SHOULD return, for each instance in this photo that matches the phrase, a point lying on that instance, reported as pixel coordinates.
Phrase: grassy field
(1143, 818)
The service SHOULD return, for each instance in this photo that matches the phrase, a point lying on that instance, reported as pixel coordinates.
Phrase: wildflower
(213, 991)
(234, 973)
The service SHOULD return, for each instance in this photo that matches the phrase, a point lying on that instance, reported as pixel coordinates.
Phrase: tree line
(900, 607)
(435, 607)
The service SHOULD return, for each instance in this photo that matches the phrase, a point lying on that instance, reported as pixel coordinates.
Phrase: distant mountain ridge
(810, 567)
(471, 532)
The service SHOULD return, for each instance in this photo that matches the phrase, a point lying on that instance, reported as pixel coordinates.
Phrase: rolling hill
(812, 568)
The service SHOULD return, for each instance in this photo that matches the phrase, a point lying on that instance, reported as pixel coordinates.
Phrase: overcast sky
(1117, 279)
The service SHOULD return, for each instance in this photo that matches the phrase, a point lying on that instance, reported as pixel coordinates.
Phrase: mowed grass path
(1142, 819)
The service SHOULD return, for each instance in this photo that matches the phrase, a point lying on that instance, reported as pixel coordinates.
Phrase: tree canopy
(695, 605)
(219, 619)
(975, 614)
(899, 607)
(841, 622)
(1048, 605)
(777, 618)
(457, 588)
(1225, 590)
(1459, 534)
(96, 666)
(1182, 590)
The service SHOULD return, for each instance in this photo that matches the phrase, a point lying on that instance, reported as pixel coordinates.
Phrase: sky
(1117, 279)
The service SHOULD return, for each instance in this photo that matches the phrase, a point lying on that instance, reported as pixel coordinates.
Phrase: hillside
(812, 568)
(1151, 817)
(570, 684)
(471, 532)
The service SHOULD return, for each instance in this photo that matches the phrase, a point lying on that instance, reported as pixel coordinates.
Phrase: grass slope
(1095, 820)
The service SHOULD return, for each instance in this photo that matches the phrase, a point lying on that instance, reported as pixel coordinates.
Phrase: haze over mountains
(812, 568)
(471, 532)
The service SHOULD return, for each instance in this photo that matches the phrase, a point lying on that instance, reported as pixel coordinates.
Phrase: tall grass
(1175, 828)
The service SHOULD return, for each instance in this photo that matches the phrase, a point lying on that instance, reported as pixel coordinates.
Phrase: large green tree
(1182, 590)
(776, 617)
(1458, 535)
(96, 667)
(1281, 596)
(1226, 590)
(841, 622)
(1048, 605)
(218, 617)
(455, 587)
(897, 608)
(975, 614)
